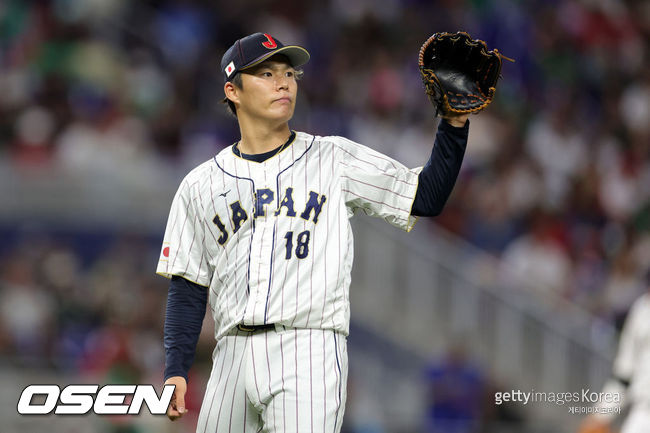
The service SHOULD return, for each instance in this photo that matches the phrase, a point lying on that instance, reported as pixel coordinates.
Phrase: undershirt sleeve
(186, 305)
(438, 177)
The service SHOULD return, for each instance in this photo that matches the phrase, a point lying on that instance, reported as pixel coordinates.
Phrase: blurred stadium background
(522, 283)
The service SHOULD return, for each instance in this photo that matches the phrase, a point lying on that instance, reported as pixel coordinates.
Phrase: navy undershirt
(187, 301)
(439, 174)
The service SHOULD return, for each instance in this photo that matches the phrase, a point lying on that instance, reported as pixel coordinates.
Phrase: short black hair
(237, 81)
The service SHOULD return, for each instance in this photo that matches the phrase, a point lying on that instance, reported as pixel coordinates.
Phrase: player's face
(269, 91)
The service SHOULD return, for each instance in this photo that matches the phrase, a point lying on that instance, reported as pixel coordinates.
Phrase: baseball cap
(254, 49)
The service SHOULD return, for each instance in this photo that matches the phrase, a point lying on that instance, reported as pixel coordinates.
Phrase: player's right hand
(177, 404)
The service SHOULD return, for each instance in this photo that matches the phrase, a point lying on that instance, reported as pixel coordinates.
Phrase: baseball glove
(459, 73)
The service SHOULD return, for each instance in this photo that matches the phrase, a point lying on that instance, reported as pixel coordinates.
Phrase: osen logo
(81, 399)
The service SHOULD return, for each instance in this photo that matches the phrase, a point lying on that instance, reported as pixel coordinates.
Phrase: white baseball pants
(285, 380)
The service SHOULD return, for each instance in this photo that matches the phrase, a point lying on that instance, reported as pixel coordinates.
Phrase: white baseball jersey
(633, 358)
(632, 363)
(272, 240)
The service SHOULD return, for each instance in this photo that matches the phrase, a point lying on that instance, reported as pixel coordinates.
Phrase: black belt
(255, 328)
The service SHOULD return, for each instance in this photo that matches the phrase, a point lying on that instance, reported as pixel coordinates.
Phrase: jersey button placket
(260, 265)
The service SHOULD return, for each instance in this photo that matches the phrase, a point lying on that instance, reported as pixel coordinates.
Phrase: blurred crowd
(87, 306)
(557, 175)
(79, 307)
(556, 180)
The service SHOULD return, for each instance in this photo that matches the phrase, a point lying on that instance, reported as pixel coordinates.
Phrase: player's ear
(231, 91)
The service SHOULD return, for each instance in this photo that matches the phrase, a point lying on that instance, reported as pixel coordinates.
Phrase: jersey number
(302, 247)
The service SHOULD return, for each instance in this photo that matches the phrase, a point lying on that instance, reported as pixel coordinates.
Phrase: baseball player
(261, 234)
(631, 374)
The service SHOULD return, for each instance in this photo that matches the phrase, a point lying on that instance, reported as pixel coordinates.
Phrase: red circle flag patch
(166, 252)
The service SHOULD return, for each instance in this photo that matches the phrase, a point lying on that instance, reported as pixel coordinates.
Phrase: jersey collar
(261, 157)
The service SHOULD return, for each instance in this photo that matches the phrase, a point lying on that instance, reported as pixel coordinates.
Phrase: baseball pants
(285, 380)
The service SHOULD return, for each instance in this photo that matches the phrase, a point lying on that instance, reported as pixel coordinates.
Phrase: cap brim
(298, 56)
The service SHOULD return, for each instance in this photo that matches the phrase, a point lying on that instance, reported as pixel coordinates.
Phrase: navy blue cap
(256, 48)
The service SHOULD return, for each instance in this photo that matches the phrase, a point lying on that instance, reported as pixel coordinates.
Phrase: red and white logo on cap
(270, 42)
(230, 69)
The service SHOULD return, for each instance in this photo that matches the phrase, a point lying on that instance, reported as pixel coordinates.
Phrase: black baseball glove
(459, 73)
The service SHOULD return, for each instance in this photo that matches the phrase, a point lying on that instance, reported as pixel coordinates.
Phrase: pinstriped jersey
(630, 365)
(633, 359)
(272, 240)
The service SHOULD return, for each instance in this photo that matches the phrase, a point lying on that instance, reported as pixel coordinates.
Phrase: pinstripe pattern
(288, 270)
(253, 389)
(631, 364)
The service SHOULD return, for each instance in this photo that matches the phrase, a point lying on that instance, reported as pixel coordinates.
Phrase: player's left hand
(457, 121)
(177, 404)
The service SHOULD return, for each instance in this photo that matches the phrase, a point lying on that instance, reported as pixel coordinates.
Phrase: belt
(255, 328)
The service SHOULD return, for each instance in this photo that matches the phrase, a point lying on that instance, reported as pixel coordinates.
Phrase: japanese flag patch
(230, 69)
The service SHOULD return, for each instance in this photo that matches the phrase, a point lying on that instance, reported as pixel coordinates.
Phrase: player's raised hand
(457, 120)
(177, 404)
